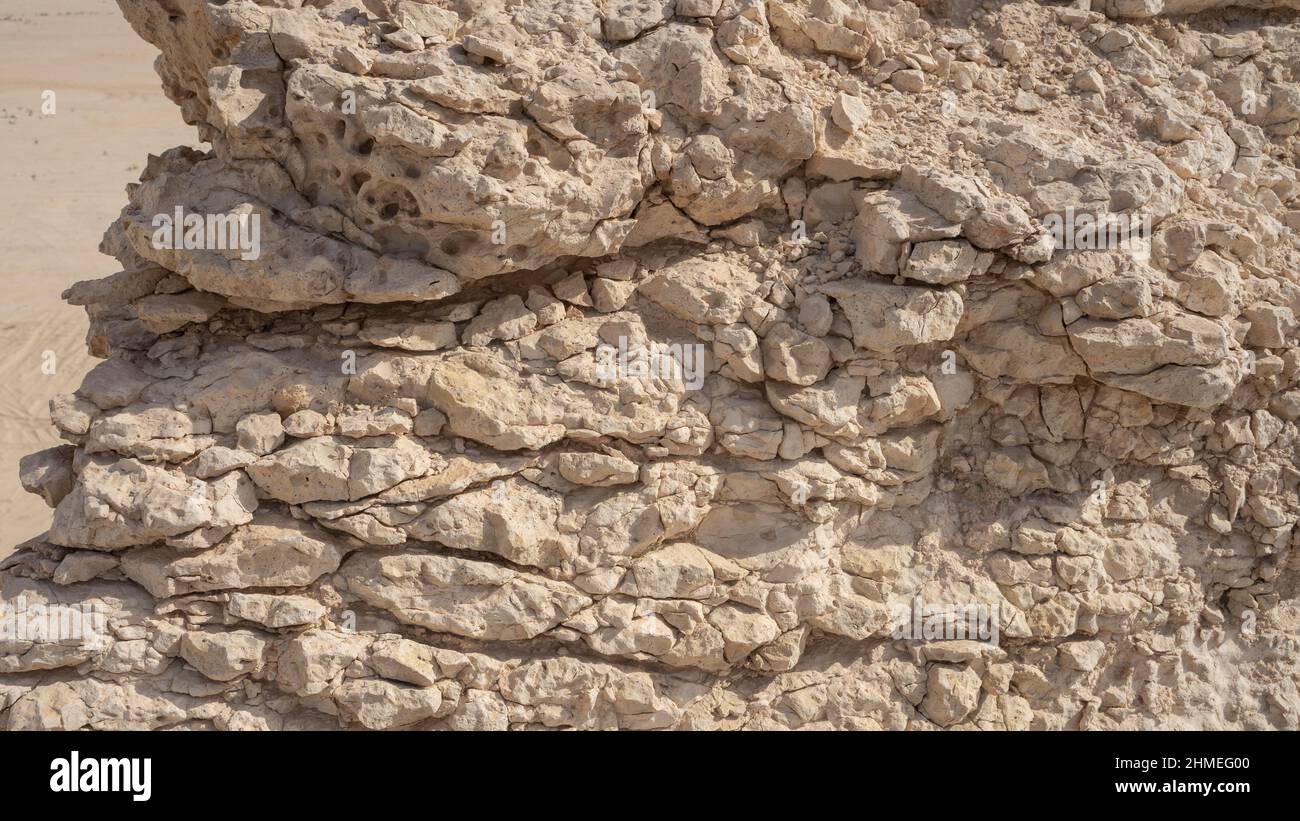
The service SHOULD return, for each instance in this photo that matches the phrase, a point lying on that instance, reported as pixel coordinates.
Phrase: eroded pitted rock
(686, 365)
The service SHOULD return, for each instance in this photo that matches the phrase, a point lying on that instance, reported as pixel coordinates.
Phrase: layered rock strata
(582, 364)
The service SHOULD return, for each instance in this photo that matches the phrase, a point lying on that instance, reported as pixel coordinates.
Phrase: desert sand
(63, 176)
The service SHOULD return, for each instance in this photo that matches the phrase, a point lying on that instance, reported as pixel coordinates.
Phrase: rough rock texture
(377, 475)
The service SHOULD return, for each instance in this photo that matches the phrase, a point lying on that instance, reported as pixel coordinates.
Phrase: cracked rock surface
(380, 475)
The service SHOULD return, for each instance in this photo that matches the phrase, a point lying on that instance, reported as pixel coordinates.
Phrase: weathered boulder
(695, 364)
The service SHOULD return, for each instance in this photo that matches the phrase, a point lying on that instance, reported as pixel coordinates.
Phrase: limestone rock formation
(512, 364)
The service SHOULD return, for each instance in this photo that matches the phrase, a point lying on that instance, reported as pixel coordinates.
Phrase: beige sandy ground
(61, 184)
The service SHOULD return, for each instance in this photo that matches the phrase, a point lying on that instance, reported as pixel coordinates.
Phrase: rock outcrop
(687, 364)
